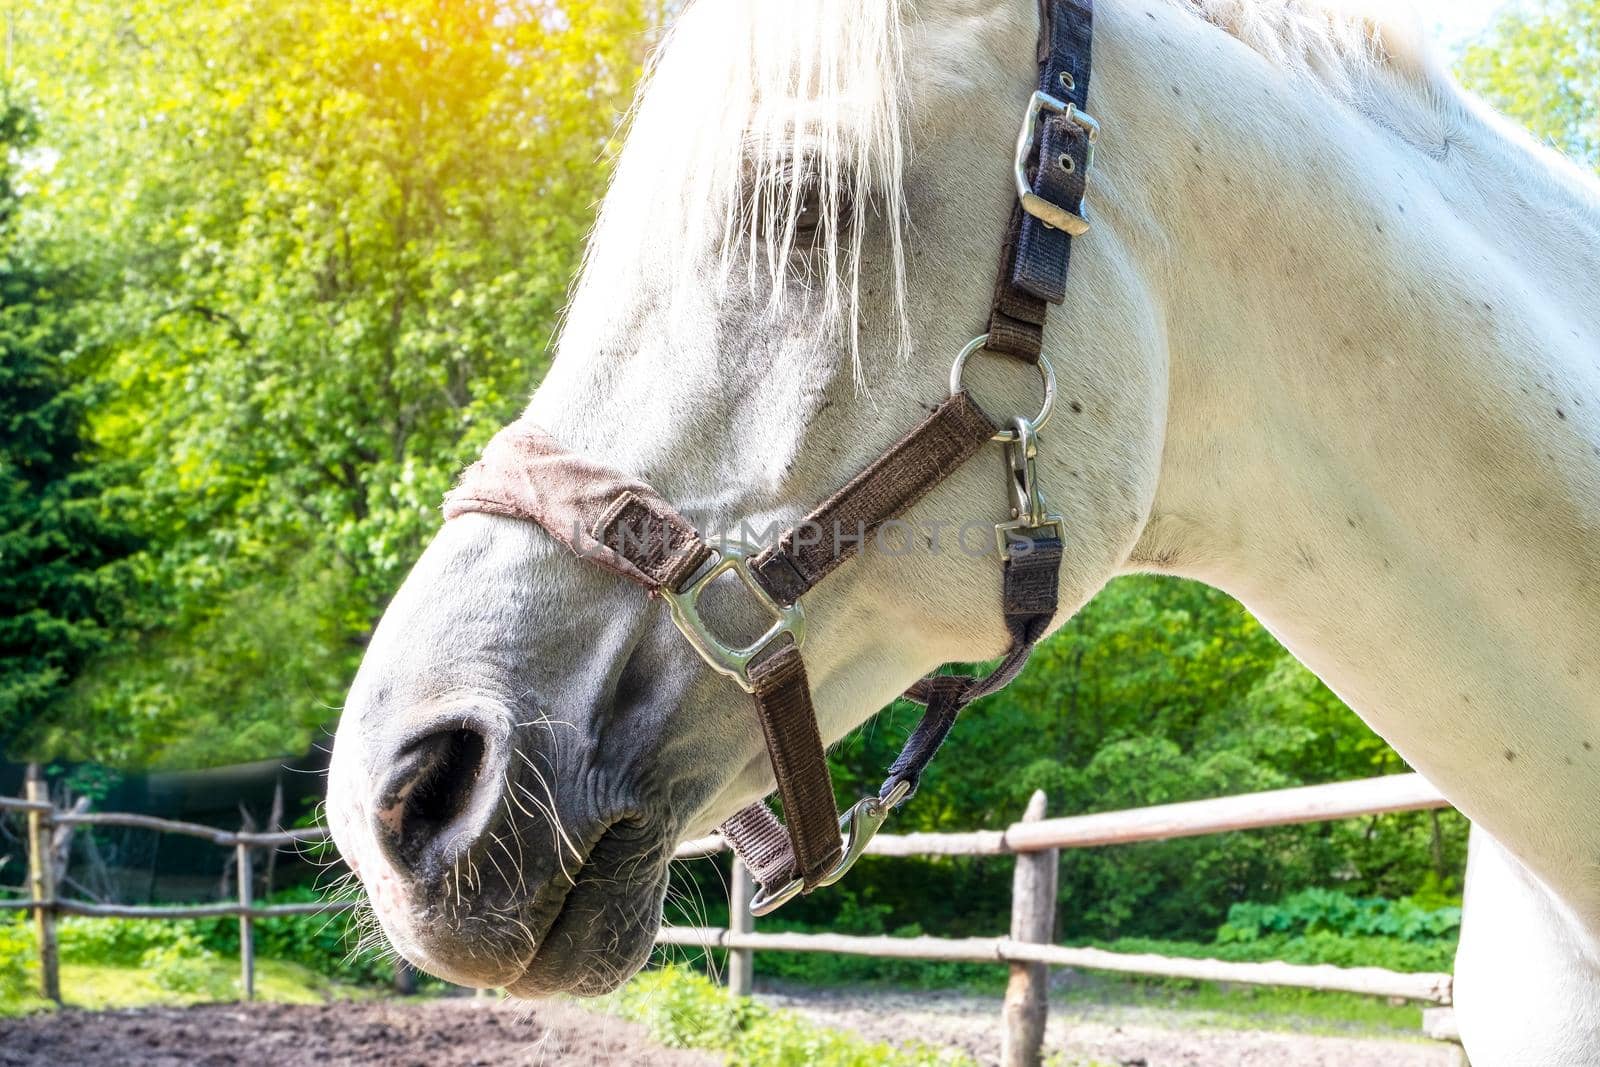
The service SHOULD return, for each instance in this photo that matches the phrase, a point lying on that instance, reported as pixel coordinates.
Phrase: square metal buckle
(724, 658)
(1007, 534)
(1046, 212)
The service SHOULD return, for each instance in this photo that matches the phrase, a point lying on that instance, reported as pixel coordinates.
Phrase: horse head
(799, 237)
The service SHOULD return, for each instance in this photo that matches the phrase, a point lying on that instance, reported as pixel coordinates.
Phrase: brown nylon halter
(619, 523)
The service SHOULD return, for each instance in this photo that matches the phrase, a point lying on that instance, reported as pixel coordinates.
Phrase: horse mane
(1342, 44)
(1377, 57)
(796, 103)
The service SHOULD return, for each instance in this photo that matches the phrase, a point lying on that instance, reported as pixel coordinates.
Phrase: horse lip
(559, 912)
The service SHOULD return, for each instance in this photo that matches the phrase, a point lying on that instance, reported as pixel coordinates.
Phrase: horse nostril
(422, 805)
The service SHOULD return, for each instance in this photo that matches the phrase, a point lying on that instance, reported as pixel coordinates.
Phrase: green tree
(333, 241)
(58, 537)
(1540, 64)
(1159, 691)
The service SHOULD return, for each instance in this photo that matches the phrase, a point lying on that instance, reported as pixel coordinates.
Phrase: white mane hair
(1375, 56)
(783, 103)
(1342, 44)
(778, 105)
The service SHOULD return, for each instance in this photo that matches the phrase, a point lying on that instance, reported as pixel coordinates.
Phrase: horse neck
(1384, 426)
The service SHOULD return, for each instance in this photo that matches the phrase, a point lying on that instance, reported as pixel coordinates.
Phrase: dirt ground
(457, 1032)
(1117, 1036)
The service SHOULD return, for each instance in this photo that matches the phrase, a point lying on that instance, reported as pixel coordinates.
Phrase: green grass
(1233, 1007)
(682, 1009)
(100, 986)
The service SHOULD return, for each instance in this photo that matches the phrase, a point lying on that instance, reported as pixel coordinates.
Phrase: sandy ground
(1118, 1036)
(455, 1032)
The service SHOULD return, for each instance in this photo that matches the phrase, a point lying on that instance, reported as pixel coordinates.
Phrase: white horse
(1331, 347)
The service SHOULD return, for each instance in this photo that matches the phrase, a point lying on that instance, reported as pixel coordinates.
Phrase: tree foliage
(1540, 64)
(58, 534)
(331, 242)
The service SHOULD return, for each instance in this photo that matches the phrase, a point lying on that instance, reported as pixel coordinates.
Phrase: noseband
(621, 524)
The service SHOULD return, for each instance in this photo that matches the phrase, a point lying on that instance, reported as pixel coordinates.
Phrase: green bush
(16, 958)
(327, 943)
(120, 942)
(182, 966)
(861, 917)
(1322, 947)
(1316, 911)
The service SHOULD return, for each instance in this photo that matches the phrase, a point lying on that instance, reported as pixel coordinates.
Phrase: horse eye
(808, 217)
(791, 196)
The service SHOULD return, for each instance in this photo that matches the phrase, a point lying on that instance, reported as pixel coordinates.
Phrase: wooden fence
(1035, 841)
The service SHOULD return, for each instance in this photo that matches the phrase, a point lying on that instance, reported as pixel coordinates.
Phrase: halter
(617, 522)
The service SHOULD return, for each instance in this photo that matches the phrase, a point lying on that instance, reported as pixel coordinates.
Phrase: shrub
(119, 942)
(16, 958)
(326, 943)
(1318, 911)
(1322, 947)
(181, 966)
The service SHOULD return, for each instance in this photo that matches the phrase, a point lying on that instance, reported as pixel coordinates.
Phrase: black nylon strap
(1060, 171)
(1030, 594)
(1034, 258)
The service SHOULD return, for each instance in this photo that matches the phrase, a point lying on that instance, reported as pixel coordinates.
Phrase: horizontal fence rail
(1391, 794)
(182, 911)
(1373, 981)
(1033, 909)
(228, 838)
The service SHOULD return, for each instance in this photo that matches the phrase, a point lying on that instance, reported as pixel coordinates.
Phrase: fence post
(741, 961)
(247, 943)
(42, 886)
(1033, 919)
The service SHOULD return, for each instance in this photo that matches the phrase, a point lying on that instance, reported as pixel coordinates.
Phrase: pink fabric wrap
(607, 518)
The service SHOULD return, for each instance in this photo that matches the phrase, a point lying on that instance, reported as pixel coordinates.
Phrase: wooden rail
(1431, 988)
(1390, 794)
(221, 909)
(1028, 951)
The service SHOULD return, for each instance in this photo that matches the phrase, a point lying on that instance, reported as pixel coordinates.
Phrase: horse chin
(602, 936)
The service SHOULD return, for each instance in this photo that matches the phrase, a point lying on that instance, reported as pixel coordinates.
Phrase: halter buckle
(1050, 214)
(726, 659)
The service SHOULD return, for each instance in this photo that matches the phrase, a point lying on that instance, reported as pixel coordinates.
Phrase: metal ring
(977, 344)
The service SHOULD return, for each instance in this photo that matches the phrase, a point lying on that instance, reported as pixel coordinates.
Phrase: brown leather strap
(1029, 603)
(783, 705)
(646, 532)
(812, 549)
(607, 518)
